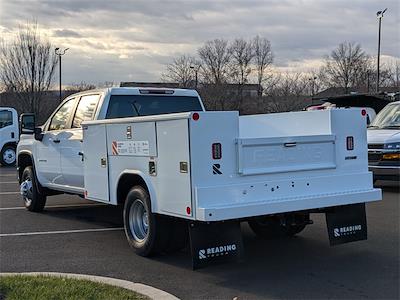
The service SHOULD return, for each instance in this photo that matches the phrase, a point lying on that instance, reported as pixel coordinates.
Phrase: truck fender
(122, 188)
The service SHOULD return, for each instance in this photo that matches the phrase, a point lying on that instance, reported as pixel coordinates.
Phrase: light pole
(196, 71)
(312, 79)
(60, 53)
(379, 15)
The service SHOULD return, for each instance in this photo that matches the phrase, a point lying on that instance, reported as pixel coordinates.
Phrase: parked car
(384, 143)
(9, 134)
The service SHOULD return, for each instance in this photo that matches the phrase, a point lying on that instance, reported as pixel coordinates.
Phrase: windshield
(389, 117)
(123, 106)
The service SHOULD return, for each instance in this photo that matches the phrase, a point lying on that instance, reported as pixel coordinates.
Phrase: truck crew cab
(181, 171)
(9, 134)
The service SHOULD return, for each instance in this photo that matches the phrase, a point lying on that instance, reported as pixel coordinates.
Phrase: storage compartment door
(173, 168)
(95, 163)
(286, 154)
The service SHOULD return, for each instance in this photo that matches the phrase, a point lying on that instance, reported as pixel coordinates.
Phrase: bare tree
(27, 66)
(346, 66)
(263, 58)
(215, 58)
(241, 57)
(81, 86)
(288, 93)
(181, 70)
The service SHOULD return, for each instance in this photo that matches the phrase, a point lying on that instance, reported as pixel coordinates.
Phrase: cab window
(86, 109)
(5, 118)
(60, 119)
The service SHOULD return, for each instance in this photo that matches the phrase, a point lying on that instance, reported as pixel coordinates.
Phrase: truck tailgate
(285, 154)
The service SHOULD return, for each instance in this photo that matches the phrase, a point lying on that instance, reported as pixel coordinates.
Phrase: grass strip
(21, 287)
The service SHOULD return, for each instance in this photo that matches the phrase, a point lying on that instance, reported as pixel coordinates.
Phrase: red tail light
(350, 143)
(216, 151)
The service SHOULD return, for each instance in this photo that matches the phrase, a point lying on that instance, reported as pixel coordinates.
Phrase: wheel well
(126, 182)
(14, 144)
(24, 160)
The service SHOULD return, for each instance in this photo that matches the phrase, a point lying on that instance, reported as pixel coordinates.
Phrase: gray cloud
(137, 38)
(66, 33)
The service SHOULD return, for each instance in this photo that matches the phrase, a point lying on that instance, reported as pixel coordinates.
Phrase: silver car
(384, 143)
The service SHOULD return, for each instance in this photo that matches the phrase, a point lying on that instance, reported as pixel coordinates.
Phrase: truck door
(48, 162)
(72, 154)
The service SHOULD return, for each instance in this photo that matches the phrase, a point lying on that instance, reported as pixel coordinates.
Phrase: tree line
(220, 63)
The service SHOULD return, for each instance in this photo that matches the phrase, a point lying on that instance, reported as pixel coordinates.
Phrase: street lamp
(379, 15)
(312, 79)
(196, 71)
(59, 53)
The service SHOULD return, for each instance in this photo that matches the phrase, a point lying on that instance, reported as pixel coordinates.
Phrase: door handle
(56, 141)
(81, 155)
(293, 144)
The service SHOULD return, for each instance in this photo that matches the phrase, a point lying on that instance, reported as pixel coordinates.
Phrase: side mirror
(27, 124)
(38, 134)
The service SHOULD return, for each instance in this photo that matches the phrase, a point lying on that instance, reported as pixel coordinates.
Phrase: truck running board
(212, 243)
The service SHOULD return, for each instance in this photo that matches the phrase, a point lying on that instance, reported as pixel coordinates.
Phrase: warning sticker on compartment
(135, 148)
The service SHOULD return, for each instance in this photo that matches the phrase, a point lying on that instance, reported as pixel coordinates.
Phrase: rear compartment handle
(293, 144)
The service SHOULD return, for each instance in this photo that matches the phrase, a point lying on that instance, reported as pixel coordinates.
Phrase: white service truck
(180, 171)
(9, 134)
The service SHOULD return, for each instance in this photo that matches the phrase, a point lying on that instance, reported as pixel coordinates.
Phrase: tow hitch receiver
(346, 224)
(214, 243)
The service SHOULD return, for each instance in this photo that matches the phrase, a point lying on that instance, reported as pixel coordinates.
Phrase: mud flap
(347, 224)
(215, 243)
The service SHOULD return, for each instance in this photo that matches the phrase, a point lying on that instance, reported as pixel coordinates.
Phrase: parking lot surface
(76, 236)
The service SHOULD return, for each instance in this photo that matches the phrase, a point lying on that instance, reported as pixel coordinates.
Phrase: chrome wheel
(138, 221)
(26, 191)
(9, 156)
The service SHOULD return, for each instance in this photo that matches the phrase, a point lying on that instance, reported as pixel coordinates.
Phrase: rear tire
(146, 232)
(33, 199)
(8, 156)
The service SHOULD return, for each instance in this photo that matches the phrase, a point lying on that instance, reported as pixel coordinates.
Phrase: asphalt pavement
(77, 236)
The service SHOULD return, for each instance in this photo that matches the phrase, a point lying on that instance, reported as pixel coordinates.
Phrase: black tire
(34, 200)
(275, 227)
(146, 237)
(8, 156)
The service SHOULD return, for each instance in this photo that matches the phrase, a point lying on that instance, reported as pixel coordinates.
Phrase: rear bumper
(258, 208)
(385, 172)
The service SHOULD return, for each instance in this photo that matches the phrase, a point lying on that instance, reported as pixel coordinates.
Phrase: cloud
(66, 33)
(137, 38)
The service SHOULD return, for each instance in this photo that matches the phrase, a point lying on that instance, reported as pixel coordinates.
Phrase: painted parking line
(60, 232)
(9, 193)
(54, 206)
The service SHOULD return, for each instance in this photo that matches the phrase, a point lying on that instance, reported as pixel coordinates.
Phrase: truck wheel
(146, 232)
(8, 156)
(33, 199)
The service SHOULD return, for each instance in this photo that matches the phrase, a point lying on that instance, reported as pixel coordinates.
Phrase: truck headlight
(392, 146)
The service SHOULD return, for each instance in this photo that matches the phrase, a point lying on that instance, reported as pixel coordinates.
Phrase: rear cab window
(123, 106)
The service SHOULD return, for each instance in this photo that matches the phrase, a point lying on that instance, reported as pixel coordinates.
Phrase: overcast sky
(117, 40)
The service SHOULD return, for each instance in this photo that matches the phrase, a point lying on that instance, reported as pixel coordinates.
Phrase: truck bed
(266, 164)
